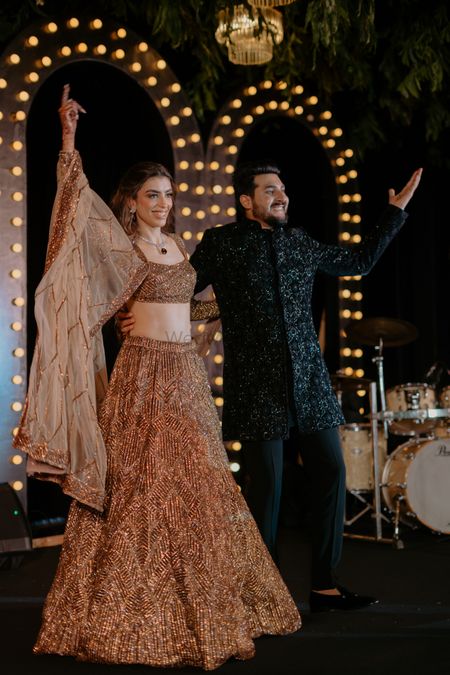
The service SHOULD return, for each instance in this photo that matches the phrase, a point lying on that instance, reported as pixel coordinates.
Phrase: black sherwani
(263, 282)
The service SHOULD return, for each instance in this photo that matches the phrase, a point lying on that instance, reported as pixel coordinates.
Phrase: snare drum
(411, 397)
(417, 478)
(356, 442)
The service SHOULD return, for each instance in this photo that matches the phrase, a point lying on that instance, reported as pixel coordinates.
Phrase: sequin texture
(167, 283)
(263, 284)
(174, 572)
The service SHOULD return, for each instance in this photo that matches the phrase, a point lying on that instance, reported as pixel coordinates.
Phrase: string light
(32, 77)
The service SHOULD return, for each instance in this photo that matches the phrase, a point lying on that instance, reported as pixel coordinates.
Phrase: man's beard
(272, 221)
(277, 222)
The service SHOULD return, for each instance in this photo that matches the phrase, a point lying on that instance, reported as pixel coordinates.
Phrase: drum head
(428, 484)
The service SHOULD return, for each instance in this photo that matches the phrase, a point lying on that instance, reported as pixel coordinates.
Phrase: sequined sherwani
(263, 282)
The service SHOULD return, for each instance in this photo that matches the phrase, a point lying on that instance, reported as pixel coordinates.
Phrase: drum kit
(414, 480)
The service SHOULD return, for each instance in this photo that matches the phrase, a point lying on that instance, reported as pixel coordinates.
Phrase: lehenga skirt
(174, 572)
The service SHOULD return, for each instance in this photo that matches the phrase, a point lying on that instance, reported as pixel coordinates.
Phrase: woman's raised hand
(68, 114)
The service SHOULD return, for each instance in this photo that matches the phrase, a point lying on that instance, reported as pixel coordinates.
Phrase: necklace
(159, 245)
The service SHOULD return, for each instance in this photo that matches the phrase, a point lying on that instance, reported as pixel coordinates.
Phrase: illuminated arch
(234, 120)
(204, 181)
(28, 61)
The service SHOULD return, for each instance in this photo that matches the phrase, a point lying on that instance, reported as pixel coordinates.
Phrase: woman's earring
(132, 212)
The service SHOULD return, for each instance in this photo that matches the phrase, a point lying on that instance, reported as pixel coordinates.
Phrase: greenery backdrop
(382, 64)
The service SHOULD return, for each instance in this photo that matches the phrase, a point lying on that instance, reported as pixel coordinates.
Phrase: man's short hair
(244, 179)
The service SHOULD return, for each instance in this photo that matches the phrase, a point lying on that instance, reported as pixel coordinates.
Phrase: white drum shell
(417, 477)
(409, 397)
(356, 440)
(444, 397)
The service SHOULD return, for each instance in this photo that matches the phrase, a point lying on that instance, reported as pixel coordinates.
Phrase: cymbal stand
(378, 360)
(376, 463)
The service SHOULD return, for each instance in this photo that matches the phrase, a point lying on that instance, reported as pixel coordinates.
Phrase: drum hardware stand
(378, 360)
(375, 506)
(398, 543)
(368, 507)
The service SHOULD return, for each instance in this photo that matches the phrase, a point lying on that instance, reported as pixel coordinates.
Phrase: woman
(162, 563)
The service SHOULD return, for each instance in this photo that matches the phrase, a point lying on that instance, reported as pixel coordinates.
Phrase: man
(275, 381)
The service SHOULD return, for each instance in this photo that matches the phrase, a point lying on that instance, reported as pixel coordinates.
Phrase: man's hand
(125, 322)
(402, 198)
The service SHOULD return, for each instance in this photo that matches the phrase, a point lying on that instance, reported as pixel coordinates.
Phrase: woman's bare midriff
(161, 321)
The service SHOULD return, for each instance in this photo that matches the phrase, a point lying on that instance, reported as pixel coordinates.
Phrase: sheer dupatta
(91, 270)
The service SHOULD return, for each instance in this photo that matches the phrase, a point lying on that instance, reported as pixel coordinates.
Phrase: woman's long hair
(129, 185)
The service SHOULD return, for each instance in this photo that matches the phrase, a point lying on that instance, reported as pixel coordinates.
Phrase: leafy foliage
(385, 62)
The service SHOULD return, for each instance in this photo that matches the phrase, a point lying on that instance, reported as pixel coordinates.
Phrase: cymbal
(348, 382)
(393, 332)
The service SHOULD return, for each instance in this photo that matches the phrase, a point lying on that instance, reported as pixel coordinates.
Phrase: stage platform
(408, 632)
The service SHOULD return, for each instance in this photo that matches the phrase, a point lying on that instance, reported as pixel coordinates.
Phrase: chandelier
(270, 3)
(249, 34)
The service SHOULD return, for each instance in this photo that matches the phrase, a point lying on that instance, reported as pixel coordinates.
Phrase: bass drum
(417, 477)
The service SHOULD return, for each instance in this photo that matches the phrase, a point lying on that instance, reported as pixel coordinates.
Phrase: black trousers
(323, 463)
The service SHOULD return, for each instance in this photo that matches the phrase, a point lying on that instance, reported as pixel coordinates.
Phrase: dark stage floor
(408, 632)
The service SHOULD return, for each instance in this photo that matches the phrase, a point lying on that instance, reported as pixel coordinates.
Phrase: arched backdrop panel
(110, 65)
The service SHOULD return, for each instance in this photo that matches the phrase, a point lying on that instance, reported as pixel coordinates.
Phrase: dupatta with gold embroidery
(91, 270)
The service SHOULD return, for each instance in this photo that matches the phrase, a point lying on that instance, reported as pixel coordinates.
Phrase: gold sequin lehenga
(170, 570)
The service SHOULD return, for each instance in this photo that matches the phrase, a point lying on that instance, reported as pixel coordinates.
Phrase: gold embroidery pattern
(204, 310)
(166, 283)
(174, 572)
(91, 269)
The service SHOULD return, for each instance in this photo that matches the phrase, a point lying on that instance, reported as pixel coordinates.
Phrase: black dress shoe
(319, 602)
